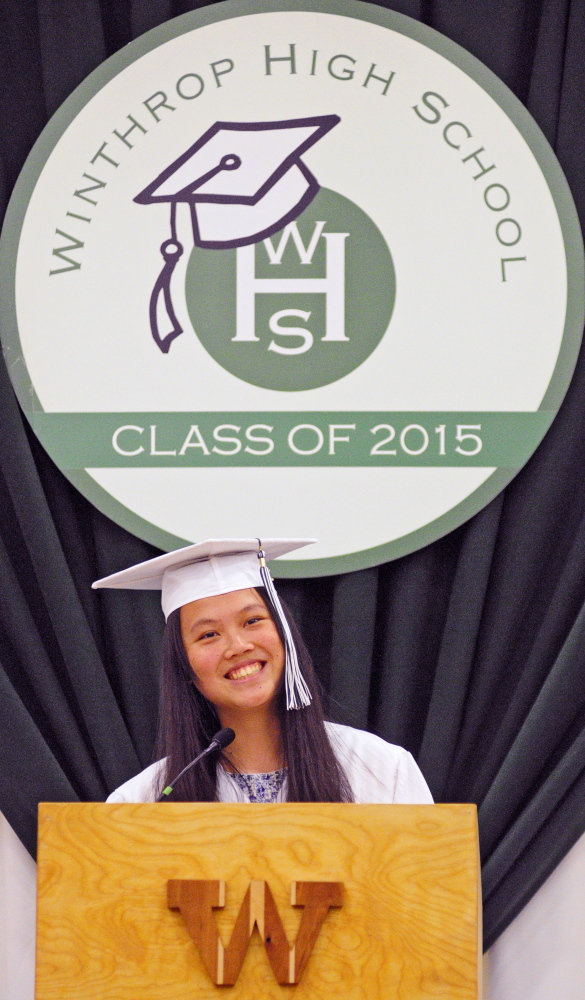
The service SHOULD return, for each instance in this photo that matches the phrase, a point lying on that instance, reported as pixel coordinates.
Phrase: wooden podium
(306, 901)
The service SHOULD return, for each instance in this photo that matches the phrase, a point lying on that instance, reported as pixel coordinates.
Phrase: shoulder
(357, 741)
(141, 788)
(378, 772)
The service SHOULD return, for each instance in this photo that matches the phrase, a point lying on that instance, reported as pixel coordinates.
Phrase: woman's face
(234, 651)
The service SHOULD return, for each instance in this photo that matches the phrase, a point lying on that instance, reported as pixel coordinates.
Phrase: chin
(258, 700)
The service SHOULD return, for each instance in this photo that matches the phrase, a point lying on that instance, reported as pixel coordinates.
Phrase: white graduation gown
(378, 772)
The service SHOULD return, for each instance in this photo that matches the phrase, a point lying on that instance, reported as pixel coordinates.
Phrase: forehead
(221, 606)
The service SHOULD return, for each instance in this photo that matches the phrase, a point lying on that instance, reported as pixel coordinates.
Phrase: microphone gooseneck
(220, 741)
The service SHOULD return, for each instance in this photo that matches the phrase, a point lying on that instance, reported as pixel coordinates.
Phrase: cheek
(202, 664)
(277, 650)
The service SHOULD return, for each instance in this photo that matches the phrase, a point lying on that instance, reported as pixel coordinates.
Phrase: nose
(238, 643)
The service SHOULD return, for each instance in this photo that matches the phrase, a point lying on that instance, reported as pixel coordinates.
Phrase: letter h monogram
(333, 285)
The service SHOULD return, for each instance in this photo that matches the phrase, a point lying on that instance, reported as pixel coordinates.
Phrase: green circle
(286, 361)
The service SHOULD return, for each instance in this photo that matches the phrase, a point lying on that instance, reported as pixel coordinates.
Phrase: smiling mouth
(248, 670)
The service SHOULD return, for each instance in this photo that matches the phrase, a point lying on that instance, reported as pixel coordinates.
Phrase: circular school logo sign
(294, 269)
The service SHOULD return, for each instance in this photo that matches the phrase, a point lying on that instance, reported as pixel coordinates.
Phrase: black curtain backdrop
(469, 652)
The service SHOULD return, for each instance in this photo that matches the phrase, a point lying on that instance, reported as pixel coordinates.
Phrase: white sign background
(460, 338)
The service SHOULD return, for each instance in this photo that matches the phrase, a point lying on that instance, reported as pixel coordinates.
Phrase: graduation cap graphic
(243, 182)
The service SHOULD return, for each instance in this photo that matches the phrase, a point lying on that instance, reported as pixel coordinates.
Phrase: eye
(255, 619)
(207, 635)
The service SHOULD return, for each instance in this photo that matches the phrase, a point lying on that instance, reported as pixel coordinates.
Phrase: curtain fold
(468, 652)
(61, 26)
(352, 643)
(455, 659)
(527, 858)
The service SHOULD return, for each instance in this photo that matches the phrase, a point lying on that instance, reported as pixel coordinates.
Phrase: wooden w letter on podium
(197, 899)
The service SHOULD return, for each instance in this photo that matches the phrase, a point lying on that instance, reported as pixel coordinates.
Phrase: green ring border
(363, 11)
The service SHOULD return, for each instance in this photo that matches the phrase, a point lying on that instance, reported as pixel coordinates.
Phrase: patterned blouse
(260, 787)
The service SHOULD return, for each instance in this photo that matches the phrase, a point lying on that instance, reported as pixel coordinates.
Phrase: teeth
(252, 668)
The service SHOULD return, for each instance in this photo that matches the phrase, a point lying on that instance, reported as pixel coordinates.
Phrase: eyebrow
(213, 621)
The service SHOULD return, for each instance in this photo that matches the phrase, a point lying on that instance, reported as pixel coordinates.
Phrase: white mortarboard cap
(244, 181)
(205, 569)
(218, 566)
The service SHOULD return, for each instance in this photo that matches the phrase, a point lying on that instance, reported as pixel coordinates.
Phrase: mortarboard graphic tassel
(297, 692)
(171, 251)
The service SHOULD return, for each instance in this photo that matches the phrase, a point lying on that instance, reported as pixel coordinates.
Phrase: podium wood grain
(408, 928)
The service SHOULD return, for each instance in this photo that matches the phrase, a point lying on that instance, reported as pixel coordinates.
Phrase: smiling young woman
(233, 657)
(235, 652)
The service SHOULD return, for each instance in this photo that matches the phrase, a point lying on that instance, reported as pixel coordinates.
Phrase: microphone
(220, 741)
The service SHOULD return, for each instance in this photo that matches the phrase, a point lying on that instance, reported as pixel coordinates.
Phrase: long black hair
(188, 723)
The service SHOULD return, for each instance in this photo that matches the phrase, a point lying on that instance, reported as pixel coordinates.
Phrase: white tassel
(297, 692)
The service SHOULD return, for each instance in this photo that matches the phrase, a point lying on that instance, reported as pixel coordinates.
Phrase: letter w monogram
(197, 899)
